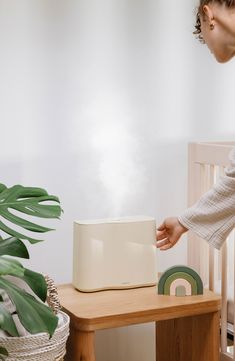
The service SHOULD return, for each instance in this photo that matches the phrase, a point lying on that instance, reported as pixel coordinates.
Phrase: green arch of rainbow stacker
(176, 272)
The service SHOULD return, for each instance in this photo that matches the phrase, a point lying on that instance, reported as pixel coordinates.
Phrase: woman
(213, 216)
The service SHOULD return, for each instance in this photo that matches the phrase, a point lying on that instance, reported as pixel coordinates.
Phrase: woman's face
(218, 39)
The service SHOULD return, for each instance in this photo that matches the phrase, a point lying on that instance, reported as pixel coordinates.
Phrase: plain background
(98, 101)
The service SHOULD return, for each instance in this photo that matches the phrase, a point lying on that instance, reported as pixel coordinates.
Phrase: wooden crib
(207, 162)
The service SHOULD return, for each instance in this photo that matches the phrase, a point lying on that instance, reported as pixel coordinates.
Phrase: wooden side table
(187, 328)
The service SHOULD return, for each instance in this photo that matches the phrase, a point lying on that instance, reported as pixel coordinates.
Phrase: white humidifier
(114, 254)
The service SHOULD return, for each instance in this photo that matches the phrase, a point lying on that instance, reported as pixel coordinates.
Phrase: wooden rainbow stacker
(180, 281)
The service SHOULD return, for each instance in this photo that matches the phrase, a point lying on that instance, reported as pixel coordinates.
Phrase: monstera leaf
(13, 247)
(11, 267)
(34, 315)
(7, 322)
(26, 200)
(36, 281)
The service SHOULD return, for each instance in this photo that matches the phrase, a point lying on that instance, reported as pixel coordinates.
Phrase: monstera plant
(33, 313)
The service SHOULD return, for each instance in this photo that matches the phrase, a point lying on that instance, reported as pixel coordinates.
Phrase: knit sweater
(213, 216)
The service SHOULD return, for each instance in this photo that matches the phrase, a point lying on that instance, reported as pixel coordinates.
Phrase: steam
(117, 150)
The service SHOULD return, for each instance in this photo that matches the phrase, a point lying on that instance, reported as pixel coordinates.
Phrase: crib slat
(211, 269)
(204, 248)
(194, 193)
(219, 173)
(224, 299)
(234, 298)
(210, 183)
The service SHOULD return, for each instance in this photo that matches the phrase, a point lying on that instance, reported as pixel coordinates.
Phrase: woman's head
(228, 3)
(215, 26)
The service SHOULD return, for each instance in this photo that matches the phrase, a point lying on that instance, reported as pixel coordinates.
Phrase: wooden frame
(206, 163)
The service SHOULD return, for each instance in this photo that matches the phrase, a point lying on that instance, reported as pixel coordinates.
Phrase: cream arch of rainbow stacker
(180, 281)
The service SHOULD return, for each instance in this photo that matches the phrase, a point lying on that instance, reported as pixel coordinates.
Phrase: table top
(116, 308)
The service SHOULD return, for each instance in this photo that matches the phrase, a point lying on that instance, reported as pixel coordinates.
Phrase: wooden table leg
(193, 338)
(80, 346)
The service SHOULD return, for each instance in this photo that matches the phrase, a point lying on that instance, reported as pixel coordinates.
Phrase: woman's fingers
(163, 242)
(162, 227)
(166, 244)
(166, 247)
(161, 235)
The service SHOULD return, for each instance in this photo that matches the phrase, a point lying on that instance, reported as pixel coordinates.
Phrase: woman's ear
(208, 12)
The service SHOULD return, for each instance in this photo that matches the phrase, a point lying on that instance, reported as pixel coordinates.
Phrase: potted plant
(17, 305)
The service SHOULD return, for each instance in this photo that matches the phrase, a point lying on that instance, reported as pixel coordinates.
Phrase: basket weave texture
(40, 347)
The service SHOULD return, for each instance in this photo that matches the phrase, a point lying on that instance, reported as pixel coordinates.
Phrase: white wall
(98, 100)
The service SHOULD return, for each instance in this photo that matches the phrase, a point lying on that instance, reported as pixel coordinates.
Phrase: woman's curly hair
(228, 3)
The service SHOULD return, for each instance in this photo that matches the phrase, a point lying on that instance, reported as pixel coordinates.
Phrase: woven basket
(40, 347)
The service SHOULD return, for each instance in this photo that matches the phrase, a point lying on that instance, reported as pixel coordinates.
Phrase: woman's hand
(168, 233)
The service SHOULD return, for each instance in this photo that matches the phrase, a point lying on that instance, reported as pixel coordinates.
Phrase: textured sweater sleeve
(213, 216)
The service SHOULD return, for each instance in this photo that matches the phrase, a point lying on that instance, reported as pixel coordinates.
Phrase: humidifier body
(114, 254)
